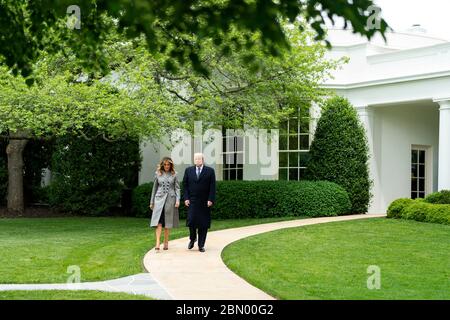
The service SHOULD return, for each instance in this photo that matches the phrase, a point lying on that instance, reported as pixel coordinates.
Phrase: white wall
(397, 128)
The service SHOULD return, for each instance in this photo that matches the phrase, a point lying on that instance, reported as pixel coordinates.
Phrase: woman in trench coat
(164, 201)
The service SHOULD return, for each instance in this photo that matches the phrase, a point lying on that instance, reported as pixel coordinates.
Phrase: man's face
(198, 160)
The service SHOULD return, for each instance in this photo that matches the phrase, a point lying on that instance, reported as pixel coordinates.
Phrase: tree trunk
(14, 150)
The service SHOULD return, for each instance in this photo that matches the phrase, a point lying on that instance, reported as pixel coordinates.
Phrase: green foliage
(315, 199)
(3, 181)
(420, 210)
(263, 199)
(441, 197)
(141, 99)
(339, 152)
(89, 176)
(37, 156)
(140, 200)
(29, 27)
(427, 212)
(396, 207)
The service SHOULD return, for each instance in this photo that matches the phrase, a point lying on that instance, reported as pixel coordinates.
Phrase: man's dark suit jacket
(199, 192)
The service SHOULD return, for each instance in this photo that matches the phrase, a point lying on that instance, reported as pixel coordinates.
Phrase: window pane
(421, 171)
(232, 174)
(283, 159)
(302, 173)
(293, 159)
(293, 126)
(304, 142)
(239, 158)
(293, 142)
(293, 174)
(414, 156)
(228, 144)
(282, 174)
(283, 142)
(304, 159)
(414, 171)
(413, 195)
(422, 185)
(413, 184)
(421, 194)
(421, 156)
(304, 111)
(304, 125)
(240, 174)
(283, 127)
(239, 146)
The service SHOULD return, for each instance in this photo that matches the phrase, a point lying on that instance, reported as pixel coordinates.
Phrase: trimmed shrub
(419, 210)
(441, 197)
(427, 212)
(261, 199)
(314, 199)
(396, 207)
(339, 152)
(415, 211)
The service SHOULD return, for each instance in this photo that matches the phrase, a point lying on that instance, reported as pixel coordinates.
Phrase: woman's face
(167, 166)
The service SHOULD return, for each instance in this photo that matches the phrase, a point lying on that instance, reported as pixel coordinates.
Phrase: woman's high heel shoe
(157, 248)
(166, 246)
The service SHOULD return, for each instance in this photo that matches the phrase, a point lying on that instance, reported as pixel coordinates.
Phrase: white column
(366, 115)
(444, 144)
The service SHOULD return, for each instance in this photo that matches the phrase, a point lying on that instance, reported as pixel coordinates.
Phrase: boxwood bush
(419, 210)
(260, 199)
(396, 207)
(441, 197)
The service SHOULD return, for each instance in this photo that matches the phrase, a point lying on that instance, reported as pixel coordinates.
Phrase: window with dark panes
(418, 173)
(294, 142)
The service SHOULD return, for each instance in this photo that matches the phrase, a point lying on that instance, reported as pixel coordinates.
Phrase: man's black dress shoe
(201, 249)
(191, 245)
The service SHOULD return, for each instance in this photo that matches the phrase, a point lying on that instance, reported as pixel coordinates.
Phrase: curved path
(192, 275)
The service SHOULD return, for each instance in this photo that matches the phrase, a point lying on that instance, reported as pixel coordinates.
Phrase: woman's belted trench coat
(165, 193)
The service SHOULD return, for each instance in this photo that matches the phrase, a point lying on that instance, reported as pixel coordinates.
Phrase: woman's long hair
(160, 166)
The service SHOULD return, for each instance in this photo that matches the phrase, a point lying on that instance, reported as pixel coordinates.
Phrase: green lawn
(330, 261)
(68, 295)
(39, 250)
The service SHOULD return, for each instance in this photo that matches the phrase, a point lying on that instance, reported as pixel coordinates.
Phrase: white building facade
(401, 90)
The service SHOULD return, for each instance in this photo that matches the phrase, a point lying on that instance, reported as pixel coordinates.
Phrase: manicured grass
(39, 250)
(330, 261)
(68, 295)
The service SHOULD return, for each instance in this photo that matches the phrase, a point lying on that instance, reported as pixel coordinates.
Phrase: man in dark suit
(199, 195)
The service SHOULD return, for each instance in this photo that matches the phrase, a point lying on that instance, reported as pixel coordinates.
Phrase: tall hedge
(340, 153)
(89, 177)
(261, 199)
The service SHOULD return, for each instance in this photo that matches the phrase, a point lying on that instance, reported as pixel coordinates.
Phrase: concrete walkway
(141, 283)
(192, 275)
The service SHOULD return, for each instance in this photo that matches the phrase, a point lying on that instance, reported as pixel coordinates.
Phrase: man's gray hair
(199, 154)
